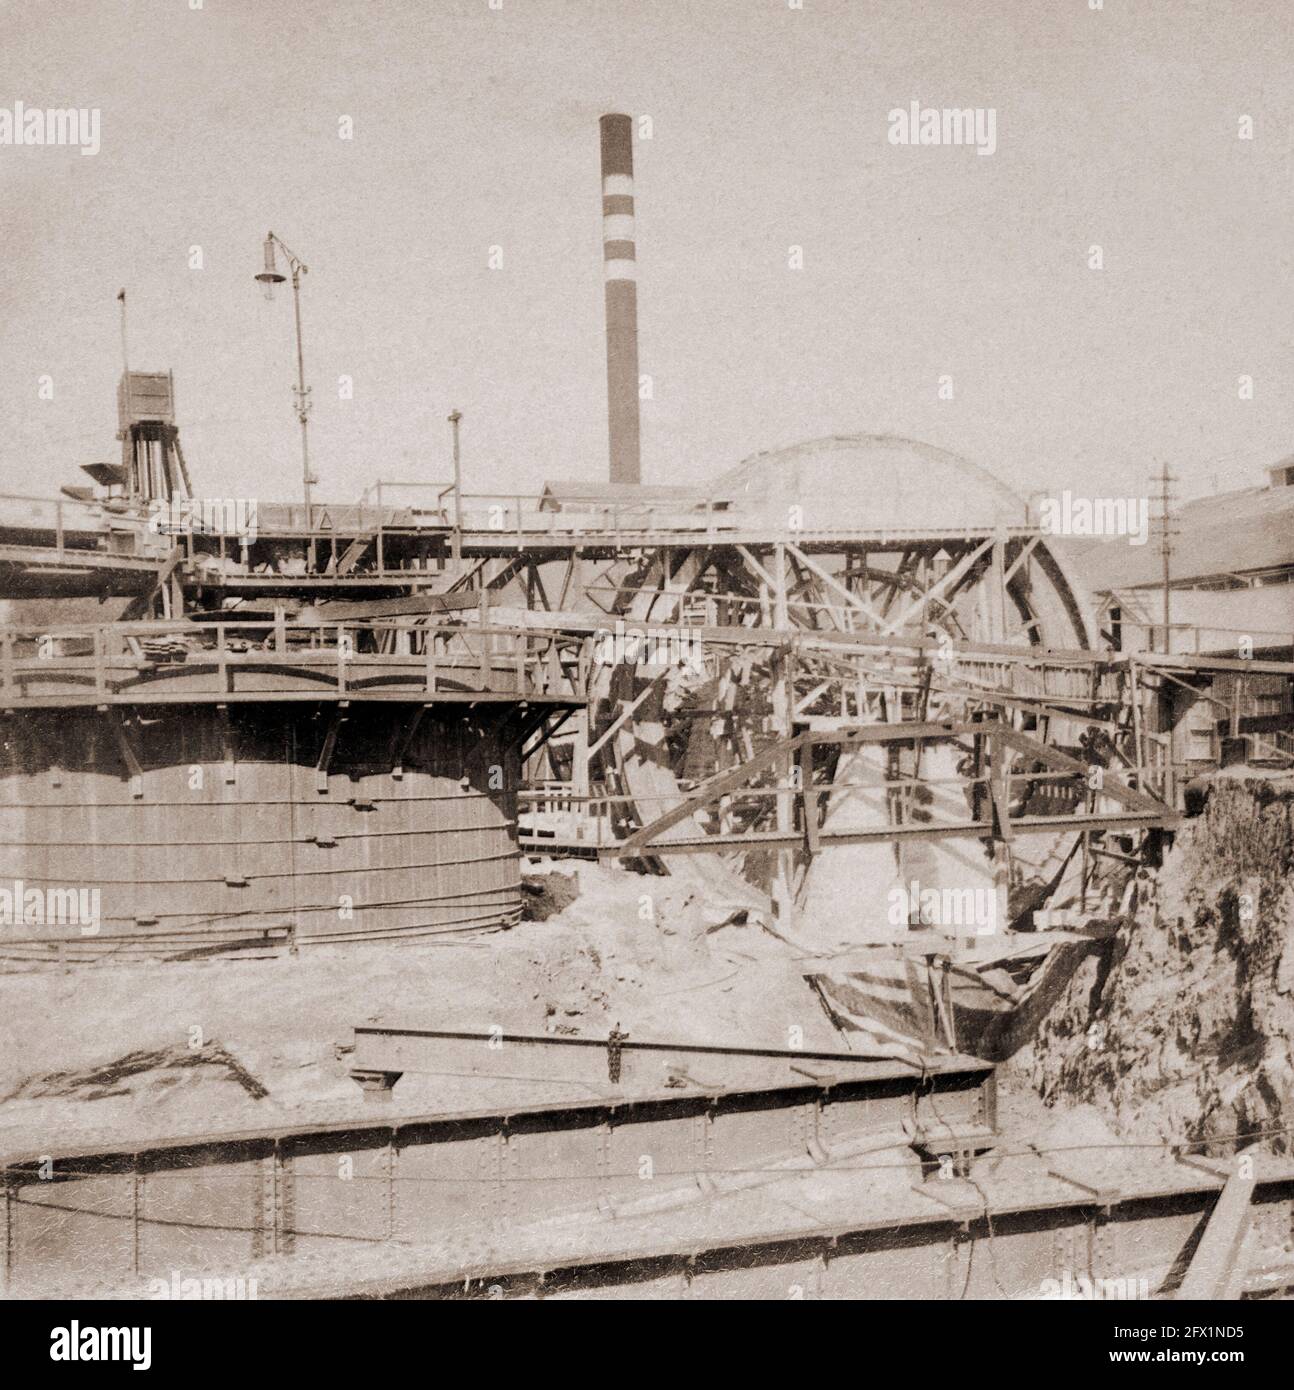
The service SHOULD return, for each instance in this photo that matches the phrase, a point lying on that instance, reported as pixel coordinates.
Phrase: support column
(783, 704)
(997, 591)
(1000, 772)
(580, 775)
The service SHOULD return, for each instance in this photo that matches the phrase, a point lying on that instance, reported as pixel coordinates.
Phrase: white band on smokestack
(617, 226)
(619, 261)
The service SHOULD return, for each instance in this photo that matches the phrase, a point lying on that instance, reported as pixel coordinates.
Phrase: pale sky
(476, 127)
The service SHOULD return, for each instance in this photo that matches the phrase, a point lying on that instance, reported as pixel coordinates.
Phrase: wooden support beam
(641, 843)
(353, 554)
(143, 603)
(837, 587)
(504, 575)
(329, 747)
(626, 713)
(127, 750)
(571, 577)
(811, 800)
(997, 588)
(805, 701)
(580, 754)
(999, 786)
(485, 640)
(229, 761)
(710, 790)
(401, 740)
(783, 697)
(1213, 1267)
(548, 727)
(953, 577)
(733, 779)
(535, 585)
(1026, 550)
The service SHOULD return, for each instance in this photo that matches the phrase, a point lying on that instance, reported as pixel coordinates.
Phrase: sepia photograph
(646, 653)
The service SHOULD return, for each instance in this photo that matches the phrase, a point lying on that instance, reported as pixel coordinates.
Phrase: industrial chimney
(618, 261)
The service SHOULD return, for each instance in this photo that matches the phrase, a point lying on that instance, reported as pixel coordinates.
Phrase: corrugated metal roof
(1232, 533)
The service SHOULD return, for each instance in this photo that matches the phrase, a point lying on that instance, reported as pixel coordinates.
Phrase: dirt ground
(158, 1049)
(1183, 1027)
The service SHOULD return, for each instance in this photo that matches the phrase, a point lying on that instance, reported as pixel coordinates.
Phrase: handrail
(466, 620)
(524, 516)
(477, 655)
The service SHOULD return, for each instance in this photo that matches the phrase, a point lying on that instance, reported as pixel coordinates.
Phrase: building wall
(1211, 621)
(1200, 720)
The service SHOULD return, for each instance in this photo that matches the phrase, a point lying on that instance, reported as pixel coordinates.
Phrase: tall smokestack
(618, 260)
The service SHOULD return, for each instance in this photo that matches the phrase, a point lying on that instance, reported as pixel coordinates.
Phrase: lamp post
(270, 276)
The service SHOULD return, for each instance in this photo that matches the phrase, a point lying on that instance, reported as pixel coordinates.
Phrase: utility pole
(454, 417)
(128, 460)
(1166, 551)
(125, 355)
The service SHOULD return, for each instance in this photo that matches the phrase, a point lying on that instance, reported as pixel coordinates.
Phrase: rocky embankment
(1182, 1026)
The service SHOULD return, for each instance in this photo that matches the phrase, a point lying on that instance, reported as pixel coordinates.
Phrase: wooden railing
(84, 663)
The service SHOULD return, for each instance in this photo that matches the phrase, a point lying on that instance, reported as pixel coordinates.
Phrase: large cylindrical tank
(198, 824)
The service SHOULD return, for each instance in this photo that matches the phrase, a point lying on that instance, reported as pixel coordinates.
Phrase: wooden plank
(352, 554)
(774, 839)
(708, 791)
(1213, 1266)
(414, 605)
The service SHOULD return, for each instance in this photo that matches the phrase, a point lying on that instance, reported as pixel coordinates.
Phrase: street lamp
(269, 277)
